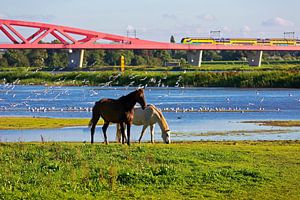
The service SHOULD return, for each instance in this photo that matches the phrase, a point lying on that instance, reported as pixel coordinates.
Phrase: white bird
(262, 99)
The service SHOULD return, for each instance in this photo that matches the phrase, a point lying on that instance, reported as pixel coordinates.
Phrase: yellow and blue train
(242, 41)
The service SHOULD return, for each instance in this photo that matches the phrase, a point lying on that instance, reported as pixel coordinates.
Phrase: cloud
(169, 16)
(207, 17)
(277, 21)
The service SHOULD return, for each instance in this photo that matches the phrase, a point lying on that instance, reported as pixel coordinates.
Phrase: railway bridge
(77, 40)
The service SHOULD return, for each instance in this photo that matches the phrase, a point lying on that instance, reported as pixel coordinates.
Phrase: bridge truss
(74, 38)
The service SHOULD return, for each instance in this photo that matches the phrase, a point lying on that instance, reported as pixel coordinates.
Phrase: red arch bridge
(78, 40)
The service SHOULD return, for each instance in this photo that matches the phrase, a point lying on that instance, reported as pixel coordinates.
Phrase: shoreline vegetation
(22, 123)
(17, 123)
(276, 123)
(238, 79)
(189, 170)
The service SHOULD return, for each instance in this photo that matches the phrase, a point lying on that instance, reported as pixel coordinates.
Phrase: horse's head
(141, 97)
(166, 136)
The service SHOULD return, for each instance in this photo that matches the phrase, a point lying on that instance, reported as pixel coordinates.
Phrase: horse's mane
(161, 116)
(128, 96)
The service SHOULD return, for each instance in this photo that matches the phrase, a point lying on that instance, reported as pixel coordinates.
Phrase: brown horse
(117, 111)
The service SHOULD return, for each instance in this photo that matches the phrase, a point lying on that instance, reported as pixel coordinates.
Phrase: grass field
(14, 123)
(192, 170)
(276, 123)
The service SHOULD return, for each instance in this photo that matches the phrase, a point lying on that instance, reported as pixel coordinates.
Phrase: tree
(138, 60)
(16, 58)
(37, 57)
(129, 55)
(57, 58)
(94, 57)
(231, 55)
(180, 54)
(211, 56)
(112, 57)
(162, 54)
(172, 39)
(3, 62)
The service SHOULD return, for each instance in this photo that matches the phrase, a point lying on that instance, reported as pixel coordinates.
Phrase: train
(242, 41)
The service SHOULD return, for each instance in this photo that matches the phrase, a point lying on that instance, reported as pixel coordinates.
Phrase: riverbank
(249, 79)
(276, 123)
(191, 170)
(24, 123)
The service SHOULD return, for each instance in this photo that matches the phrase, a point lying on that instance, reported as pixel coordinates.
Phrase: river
(192, 113)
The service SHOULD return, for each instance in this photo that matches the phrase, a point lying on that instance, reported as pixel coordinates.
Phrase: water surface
(76, 102)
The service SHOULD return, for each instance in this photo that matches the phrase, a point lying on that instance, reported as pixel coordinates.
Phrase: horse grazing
(117, 111)
(149, 117)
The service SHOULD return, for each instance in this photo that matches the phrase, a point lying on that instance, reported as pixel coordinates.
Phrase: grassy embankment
(249, 79)
(15, 123)
(276, 123)
(206, 66)
(215, 170)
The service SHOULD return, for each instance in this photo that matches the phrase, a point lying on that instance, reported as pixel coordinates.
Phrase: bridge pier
(255, 60)
(76, 58)
(195, 57)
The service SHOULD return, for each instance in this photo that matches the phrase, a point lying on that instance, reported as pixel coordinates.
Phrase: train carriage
(242, 41)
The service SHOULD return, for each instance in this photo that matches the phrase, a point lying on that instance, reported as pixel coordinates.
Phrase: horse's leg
(104, 128)
(128, 133)
(152, 133)
(142, 133)
(118, 133)
(94, 122)
(122, 128)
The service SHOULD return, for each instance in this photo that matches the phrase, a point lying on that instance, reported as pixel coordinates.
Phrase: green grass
(206, 66)
(248, 79)
(276, 123)
(13, 123)
(194, 170)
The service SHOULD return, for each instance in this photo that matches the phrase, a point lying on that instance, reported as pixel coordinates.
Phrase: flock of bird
(55, 93)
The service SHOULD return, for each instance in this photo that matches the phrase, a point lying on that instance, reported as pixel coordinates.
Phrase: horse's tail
(95, 115)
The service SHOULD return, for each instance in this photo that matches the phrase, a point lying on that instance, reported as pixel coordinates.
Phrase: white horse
(149, 117)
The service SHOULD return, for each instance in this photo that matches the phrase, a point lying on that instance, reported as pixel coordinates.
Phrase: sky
(159, 19)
